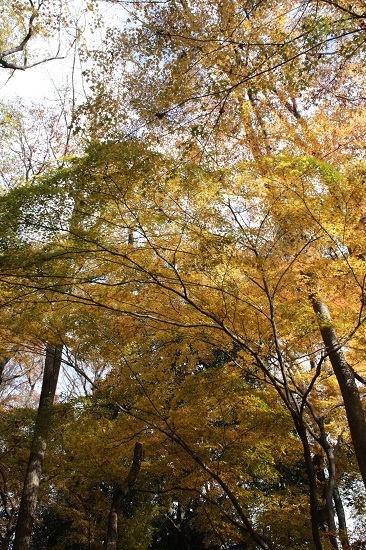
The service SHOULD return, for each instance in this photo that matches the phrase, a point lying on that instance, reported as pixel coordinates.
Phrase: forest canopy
(182, 265)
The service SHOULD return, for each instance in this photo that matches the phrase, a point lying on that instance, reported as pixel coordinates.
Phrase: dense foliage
(201, 268)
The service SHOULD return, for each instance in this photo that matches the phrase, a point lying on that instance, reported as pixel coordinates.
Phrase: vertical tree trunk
(343, 533)
(8, 515)
(328, 498)
(313, 490)
(3, 363)
(29, 498)
(5, 543)
(119, 493)
(346, 381)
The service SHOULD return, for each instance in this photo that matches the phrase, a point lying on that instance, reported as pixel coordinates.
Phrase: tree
(33, 476)
(183, 264)
(34, 138)
(15, 431)
(26, 23)
(221, 256)
(347, 381)
(233, 80)
(53, 353)
(120, 491)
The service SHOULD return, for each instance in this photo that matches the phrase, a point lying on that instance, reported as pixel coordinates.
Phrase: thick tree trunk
(34, 471)
(119, 493)
(346, 381)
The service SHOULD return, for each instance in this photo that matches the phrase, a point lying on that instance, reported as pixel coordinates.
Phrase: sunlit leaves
(218, 81)
(188, 291)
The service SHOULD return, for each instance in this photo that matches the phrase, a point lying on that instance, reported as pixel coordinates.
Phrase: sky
(36, 83)
(41, 82)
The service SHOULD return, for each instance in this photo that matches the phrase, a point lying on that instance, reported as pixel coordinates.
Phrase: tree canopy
(198, 271)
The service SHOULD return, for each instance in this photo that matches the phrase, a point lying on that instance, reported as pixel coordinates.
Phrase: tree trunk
(5, 543)
(313, 490)
(3, 362)
(328, 498)
(343, 533)
(119, 493)
(346, 381)
(29, 498)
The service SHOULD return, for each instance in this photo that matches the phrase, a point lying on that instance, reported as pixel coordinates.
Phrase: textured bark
(29, 498)
(119, 493)
(346, 380)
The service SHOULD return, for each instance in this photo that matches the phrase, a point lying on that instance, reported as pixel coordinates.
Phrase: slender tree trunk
(5, 544)
(3, 363)
(343, 533)
(346, 381)
(328, 499)
(119, 493)
(29, 498)
(8, 516)
(313, 490)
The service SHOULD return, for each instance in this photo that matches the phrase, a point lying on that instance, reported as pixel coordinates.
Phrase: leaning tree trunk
(346, 380)
(28, 501)
(119, 493)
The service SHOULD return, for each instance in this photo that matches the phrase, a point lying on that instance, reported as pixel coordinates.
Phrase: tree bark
(119, 493)
(29, 498)
(328, 498)
(3, 362)
(343, 533)
(313, 490)
(346, 381)
(5, 543)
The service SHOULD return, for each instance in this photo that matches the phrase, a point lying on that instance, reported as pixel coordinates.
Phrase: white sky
(36, 83)
(40, 83)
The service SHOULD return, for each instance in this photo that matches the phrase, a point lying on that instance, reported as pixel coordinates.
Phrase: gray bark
(346, 380)
(328, 500)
